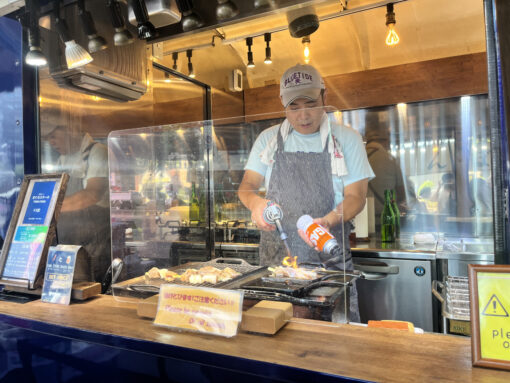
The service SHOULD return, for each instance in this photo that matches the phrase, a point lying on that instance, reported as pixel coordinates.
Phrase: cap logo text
(297, 79)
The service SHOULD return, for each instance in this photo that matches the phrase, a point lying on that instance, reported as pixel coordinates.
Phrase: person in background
(309, 165)
(84, 217)
(388, 175)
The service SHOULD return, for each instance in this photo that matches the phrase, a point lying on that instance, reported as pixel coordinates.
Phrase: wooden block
(148, 307)
(263, 320)
(85, 290)
(286, 307)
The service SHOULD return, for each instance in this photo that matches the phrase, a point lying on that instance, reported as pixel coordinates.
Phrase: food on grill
(171, 276)
(206, 274)
(291, 272)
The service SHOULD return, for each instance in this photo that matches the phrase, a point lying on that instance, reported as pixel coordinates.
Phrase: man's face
(59, 140)
(305, 115)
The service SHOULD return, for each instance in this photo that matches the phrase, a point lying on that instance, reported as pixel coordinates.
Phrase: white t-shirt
(351, 144)
(79, 167)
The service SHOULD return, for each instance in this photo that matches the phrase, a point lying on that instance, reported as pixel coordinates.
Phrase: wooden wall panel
(427, 80)
(224, 104)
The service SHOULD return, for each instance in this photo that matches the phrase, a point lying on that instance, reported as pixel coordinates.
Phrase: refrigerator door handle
(376, 272)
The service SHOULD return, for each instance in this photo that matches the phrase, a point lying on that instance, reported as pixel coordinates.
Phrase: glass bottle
(387, 220)
(396, 212)
(218, 204)
(194, 209)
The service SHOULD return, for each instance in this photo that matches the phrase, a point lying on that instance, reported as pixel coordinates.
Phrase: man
(84, 217)
(388, 175)
(309, 165)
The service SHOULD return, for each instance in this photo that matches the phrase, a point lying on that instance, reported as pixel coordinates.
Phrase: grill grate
(239, 265)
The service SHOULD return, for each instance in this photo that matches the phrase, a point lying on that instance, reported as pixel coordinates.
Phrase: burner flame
(290, 261)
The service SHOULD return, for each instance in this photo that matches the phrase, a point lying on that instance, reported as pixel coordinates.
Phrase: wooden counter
(327, 349)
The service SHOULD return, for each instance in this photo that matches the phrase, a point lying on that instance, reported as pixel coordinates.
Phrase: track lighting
(34, 57)
(306, 48)
(267, 39)
(76, 55)
(191, 72)
(262, 3)
(190, 19)
(249, 43)
(226, 9)
(145, 28)
(96, 42)
(122, 36)
(392, 38)
(175, 56)
(167, 78)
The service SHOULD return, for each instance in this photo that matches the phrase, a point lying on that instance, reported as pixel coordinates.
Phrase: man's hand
(257, 215)
(248, 195)
(321, 221)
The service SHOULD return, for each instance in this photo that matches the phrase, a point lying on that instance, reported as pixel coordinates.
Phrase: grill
(137, 288)
(325, 298)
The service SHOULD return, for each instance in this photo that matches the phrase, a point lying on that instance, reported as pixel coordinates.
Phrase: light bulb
(306, 50)
(392, 38)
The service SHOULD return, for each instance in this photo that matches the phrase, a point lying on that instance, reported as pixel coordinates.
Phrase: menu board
(31, 231)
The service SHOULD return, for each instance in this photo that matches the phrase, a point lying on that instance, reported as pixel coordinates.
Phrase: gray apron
(301, 183)
(88, 227)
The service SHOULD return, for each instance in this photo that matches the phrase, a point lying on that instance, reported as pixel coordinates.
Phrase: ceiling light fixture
(96, 42)
(122, 36)
(191, 72)
(76, 55)
(263, 3)
(167, 78)
(392, 38)
(267, 39)
(34, 57)
(306, 48)
(226, 9)
(249, 43)
(175, 56)
(190, 19)
(145, 28)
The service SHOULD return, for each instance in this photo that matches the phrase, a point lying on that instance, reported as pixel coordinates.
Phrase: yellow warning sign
(495, 308)
(493, 314)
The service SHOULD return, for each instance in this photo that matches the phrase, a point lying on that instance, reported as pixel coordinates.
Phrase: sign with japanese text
(58, 278)
(200, 309)
(490, 315)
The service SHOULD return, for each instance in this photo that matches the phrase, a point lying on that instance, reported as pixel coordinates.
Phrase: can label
(318, 235)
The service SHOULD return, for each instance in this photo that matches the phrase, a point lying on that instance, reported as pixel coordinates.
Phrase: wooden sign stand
(490, 315)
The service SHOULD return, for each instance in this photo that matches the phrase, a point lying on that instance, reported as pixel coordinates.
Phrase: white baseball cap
(300, 81)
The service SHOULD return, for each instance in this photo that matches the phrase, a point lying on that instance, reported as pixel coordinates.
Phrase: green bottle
(387, 220)
(396, 212)
(218, 203)
(194, 209)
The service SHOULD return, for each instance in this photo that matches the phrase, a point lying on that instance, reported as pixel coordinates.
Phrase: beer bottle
(396, 212)
(194, 209)
(387, 220)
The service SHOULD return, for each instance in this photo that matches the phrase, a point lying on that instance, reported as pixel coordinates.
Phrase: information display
(58, 277)
(27, 237)
(490, 315)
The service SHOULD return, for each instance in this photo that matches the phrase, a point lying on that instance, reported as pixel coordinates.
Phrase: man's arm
(92, 194)
(248, 195)
(355, 196)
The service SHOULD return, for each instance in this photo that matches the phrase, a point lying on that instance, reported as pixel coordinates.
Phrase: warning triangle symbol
(494, 308)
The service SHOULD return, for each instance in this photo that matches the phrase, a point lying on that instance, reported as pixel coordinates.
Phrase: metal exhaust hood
(118, 73)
